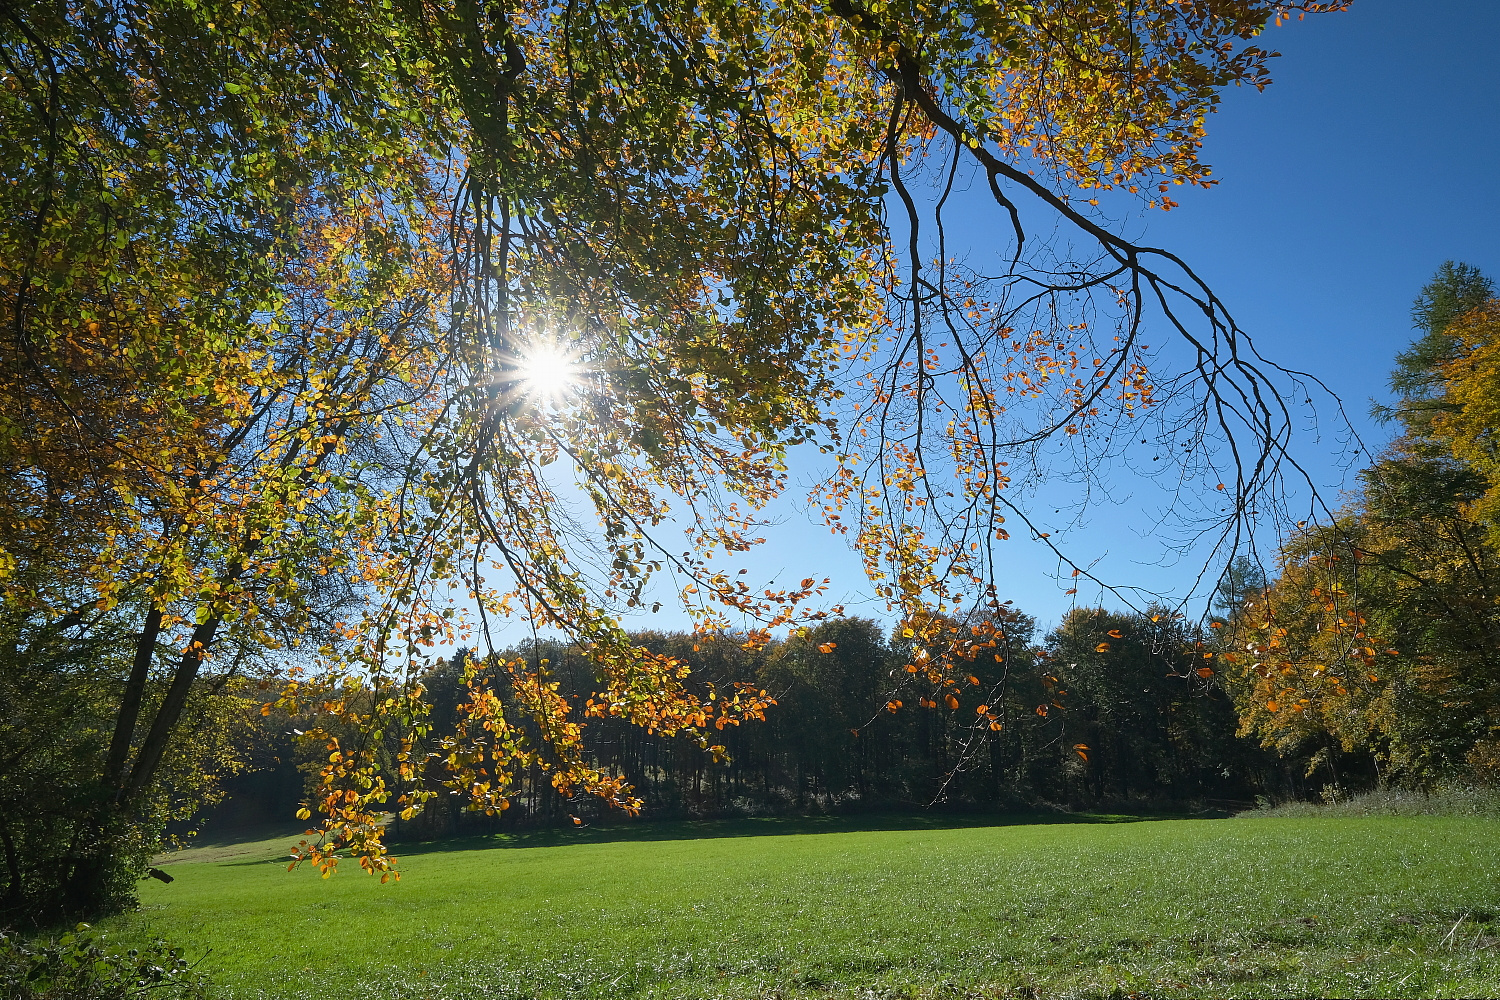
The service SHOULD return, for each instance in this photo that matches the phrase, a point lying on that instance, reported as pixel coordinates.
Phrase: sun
(548, 371)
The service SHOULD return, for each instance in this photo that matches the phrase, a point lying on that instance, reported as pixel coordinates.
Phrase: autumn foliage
(1376, 638)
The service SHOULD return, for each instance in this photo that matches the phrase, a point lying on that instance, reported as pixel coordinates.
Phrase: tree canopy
(277, 279)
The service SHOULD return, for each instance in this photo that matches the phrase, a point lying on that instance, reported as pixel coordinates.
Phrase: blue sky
(1368, 162)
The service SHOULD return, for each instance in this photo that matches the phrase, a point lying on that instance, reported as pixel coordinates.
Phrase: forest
(1032, 724)
(371, 374)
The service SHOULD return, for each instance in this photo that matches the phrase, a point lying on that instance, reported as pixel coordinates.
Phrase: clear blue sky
(1368, 162)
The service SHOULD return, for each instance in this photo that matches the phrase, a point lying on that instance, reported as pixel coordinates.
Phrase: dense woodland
(1106, 710)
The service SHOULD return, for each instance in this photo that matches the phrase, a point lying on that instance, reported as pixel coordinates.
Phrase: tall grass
(1445, 800)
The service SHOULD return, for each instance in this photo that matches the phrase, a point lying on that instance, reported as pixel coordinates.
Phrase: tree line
(1107, 710)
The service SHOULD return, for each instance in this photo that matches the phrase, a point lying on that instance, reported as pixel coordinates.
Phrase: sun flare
(548, 371)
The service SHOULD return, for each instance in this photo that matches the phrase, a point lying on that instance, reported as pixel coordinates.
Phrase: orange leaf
(826, 647)
(1205, 672)
(951, 702)
(1115, 633)
(1103, 647)
(1271, 706)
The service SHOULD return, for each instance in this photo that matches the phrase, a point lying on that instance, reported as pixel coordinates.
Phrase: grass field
(1246, 907)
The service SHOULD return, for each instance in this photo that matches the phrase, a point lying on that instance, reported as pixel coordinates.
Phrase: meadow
(1095, 907)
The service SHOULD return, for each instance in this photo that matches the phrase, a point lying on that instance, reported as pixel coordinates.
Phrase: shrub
(77, 967)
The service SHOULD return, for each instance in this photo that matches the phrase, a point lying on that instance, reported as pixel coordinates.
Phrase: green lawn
(1252, 907)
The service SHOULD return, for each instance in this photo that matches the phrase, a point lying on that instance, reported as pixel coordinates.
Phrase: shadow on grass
(224, 845)
(648, 830)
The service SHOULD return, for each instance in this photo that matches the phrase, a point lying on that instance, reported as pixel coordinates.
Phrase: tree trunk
(130, 702)
(170, 711)
(13, 871)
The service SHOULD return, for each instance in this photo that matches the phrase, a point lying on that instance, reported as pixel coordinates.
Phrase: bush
(76, 967)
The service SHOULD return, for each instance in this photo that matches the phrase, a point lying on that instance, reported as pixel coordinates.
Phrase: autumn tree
(313, 315)
(1378, 637)
(59, 691)
(1420, 380)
